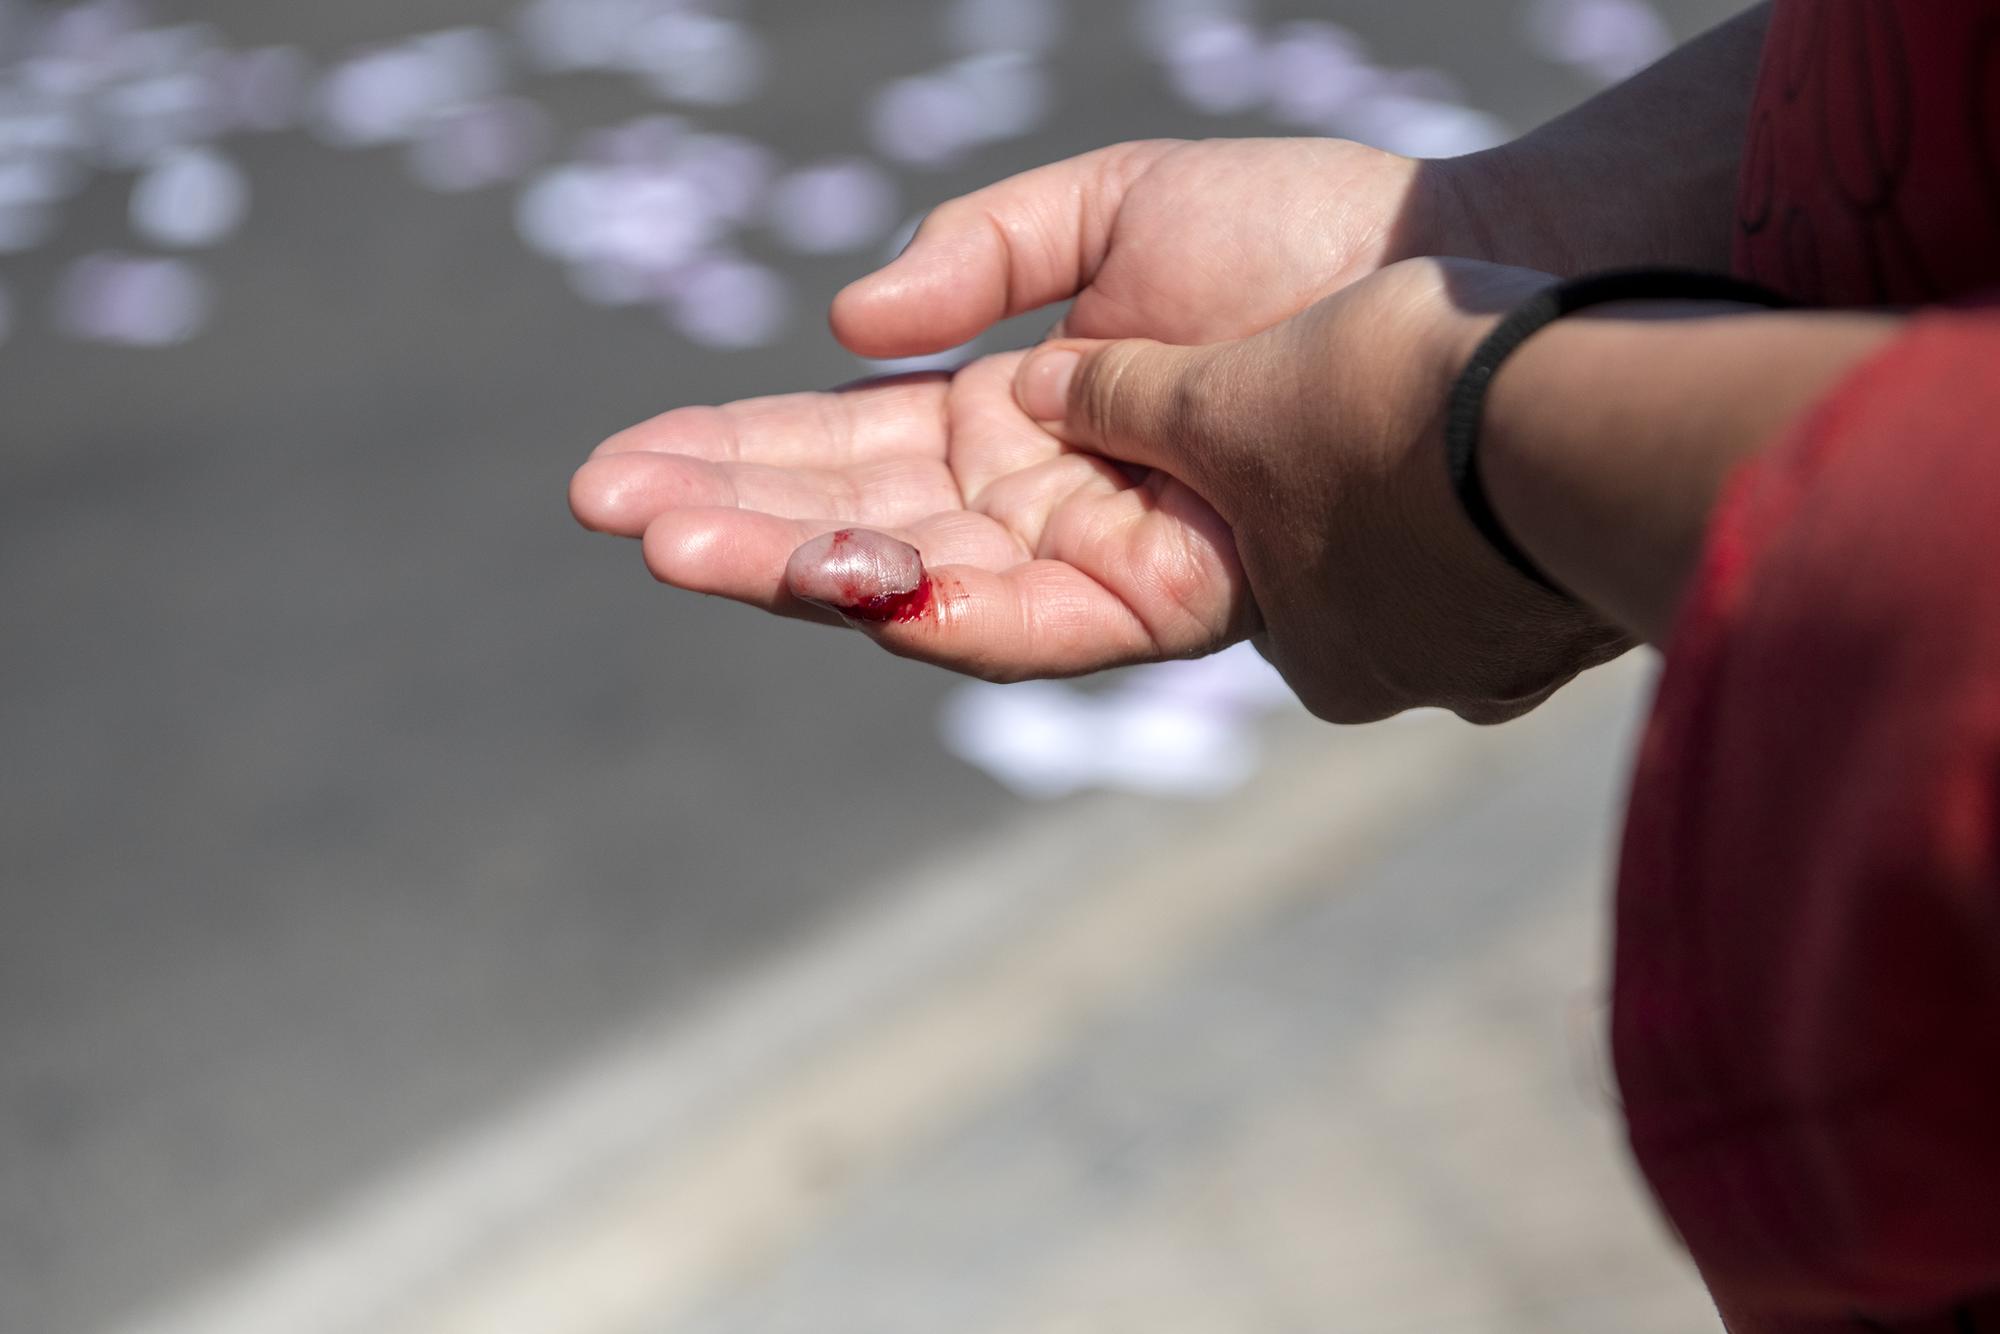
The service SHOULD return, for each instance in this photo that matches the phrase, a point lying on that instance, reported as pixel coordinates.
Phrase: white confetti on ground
(651, 220)
(935, 120)
(680, 49)
(1610, 40)
(924, 121)
(23, 226)
(37, 122)
(1182, 729)
(557, 209)
(607, 282)
(88, 30)
(628, 230)
(1320, 78)
(572, 35)
(1160, 24)
(1422, 127)
(647, 212)
(267, 89)
(833, 207)
(384, 96)
(731, 304)
(33, 177)
(560, 36)
(190, 197)
(1219, 67)
(131, 301)
(478, 145)
(1317, 71)
(1027, 26)
(734, 173)
(698, 58)
(652, 140)
(374, 99)
(138, 120)
(551, 210)
(32, 184)
(1009, 92)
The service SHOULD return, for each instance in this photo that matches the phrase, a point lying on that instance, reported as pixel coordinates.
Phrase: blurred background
(414, 918)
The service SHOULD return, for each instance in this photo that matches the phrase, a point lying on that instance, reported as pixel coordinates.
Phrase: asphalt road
(348, 789)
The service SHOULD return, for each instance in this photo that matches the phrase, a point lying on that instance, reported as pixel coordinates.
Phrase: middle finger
(900, 415)
(622, 493)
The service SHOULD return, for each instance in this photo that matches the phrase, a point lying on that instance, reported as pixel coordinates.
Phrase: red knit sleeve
(1807, 1014)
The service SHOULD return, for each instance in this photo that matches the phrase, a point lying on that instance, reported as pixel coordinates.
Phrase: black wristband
(1468, 395)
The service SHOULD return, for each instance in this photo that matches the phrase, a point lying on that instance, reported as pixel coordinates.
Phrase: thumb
(1133, 400)
(949, 284)
(1015, 246)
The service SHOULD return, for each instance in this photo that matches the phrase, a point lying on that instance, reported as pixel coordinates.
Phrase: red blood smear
(880, 610)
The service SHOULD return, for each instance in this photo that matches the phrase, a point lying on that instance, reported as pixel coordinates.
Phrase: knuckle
(1193, 408)
(1102, 392)
(944, 219)
(1191, 602)
(1134, 391)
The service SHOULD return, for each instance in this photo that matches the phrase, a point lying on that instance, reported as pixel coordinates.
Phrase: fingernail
(864, 576)
(1043, 387)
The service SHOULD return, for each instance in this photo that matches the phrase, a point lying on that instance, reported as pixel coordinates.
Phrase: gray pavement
(350, 792)
(1375, 1102)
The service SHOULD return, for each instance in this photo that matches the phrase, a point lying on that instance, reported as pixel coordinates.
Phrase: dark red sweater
(1807, 1015)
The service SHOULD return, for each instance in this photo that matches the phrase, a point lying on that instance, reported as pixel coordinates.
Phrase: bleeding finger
(1038, 618)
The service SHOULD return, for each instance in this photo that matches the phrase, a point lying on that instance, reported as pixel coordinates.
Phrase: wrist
(1556, 201)
(1608, 436)
(1458, 304)
(1488, 206)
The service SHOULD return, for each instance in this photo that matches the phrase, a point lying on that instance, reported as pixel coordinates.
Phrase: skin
(1201, 242)
(852, 570)
(1053, 551)
(1048, 560)
(1688, 393)
(1322, 442)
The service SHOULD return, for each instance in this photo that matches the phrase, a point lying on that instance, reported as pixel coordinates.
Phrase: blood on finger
(898, 608)
(862, 575)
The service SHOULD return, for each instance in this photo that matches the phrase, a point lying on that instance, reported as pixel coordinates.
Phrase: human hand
(1288, 486)
(1200, 242)
(1320, 442)
(979, 540)
(1182, 242)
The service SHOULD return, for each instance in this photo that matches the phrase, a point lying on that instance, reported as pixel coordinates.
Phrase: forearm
(1642, 174)
(1606, 439)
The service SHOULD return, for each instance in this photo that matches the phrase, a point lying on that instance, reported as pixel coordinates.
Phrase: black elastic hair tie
(1468, 395)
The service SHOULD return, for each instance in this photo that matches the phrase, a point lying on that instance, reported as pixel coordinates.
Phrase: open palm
(1045, 560)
